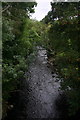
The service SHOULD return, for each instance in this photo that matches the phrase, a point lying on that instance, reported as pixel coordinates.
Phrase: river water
(43, 87)
(39, 93)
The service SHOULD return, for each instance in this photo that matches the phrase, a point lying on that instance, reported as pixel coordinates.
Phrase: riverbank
(39, 95)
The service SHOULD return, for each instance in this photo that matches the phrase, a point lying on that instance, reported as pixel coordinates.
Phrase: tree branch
(5, 8)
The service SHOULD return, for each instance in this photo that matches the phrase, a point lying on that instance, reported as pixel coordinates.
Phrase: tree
(14, 16)
(64, 43)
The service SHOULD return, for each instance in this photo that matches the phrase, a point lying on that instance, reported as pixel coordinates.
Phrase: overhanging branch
(6, 8)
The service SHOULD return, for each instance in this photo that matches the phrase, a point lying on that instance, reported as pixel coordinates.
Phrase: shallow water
(39, 95)
(44, 89)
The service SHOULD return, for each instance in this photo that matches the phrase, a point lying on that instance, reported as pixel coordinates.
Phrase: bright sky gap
(43, 7)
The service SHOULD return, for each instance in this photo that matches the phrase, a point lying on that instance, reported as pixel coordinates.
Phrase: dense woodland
(58, 32)
(63, 43)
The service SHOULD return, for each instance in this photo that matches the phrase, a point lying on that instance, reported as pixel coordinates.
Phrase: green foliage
(64, 43)
(60, 36)
(18, 42)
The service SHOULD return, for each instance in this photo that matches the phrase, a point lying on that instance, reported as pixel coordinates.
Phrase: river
(39, 93)
(44, 88)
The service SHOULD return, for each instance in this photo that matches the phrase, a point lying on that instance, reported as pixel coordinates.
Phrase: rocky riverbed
(44, 88)
(39, 95)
